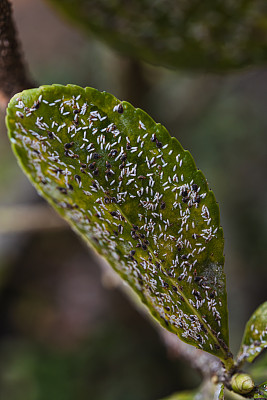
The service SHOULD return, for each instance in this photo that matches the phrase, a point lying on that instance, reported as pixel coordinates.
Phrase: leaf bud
(242, 383)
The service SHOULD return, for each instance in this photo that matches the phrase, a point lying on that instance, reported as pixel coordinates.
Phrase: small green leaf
(261, 391)
(182, 396)
(207, 391)
(195, 35)
(255, 336)
(134, 194)
(220, 389)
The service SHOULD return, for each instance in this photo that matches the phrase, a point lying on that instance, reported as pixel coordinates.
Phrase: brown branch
(135, 84)
(13, 72)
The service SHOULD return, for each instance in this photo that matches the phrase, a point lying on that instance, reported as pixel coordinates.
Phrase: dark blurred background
(66, 331)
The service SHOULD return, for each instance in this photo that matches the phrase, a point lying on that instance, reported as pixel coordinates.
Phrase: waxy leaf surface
(261, 391)
(255, 336)
(191, 34)
(136, 196)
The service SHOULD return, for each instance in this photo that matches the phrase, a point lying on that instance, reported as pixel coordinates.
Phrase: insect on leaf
(261, 391)
(202, 36)
(255, 336)
(135, 195)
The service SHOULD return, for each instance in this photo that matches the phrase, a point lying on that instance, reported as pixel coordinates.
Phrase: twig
(206, 364)
(134, 82)
(13, 73)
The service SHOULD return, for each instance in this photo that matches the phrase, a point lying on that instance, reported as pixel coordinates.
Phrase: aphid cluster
(137, 196)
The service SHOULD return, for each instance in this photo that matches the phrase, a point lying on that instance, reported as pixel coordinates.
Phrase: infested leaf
(195, 35)
(255, 336)
(261, 391)
(135, 195)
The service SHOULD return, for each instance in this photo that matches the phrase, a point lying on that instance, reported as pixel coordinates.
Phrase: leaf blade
(132, 192)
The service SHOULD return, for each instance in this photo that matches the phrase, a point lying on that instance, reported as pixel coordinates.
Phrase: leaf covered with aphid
(255, 336)
(195, 35)
(135, 195)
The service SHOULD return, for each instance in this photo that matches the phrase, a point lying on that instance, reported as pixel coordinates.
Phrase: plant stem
(206, 364)
(14, 76)
(134, 82)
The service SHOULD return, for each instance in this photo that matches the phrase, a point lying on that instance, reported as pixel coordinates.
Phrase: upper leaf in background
(192, 34)
(136, 196)
(255, 336)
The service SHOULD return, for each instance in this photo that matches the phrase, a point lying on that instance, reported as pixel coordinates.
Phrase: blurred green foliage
(193, 35)
(105, 367)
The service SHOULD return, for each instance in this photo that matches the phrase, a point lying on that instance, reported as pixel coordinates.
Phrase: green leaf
(182, 396)
(195, 35)
(220, 391)
(261, 391)
(134, 194)
(255, 336)
(208, 391)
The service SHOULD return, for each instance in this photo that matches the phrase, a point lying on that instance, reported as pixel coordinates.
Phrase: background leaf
(186, 34)
(255, 336)
(136, 196)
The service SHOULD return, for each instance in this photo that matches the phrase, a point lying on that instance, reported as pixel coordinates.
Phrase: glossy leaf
(202, 34)
(255, 336)
(261, 391)
(136, 196)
